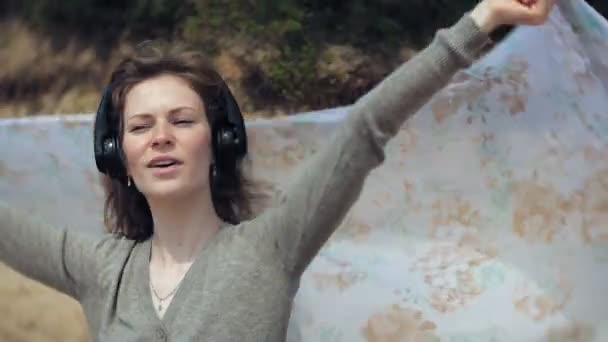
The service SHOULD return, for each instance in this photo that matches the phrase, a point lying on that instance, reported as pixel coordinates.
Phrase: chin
(168, 189)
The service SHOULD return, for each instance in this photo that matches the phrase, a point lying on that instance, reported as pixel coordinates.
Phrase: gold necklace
(160, 300)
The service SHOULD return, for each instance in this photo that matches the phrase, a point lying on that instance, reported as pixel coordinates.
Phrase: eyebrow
(171, 112)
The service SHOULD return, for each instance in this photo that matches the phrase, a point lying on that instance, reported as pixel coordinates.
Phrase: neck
(181, 227)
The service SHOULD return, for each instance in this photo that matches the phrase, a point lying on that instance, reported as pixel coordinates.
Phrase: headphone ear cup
(108, 157)
(236, 123)
(113, 158)
(225, 145)
(227, 138)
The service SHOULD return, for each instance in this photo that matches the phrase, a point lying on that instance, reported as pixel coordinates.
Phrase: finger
(535, 14)
(542, 8)
(527, 3)
(521, 15)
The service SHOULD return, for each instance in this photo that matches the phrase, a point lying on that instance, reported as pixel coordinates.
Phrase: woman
(183, 261)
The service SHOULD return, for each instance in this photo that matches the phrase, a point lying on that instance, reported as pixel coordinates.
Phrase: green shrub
(296, 30)
(108, 17)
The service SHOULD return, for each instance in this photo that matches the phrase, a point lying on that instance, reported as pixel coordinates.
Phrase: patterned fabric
(487, 222)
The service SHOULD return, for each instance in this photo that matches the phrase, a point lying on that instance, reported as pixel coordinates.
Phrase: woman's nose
(163, 136)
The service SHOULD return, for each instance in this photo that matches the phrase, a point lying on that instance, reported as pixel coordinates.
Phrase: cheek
(201, 146)
(133, 151)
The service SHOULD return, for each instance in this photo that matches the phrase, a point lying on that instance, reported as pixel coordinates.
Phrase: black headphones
(229, 137)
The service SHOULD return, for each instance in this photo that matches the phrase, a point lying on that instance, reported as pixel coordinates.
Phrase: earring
(213, 171)
(129, 181)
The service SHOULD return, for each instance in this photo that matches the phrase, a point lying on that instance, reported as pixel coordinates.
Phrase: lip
(168, 171)
(163, 158)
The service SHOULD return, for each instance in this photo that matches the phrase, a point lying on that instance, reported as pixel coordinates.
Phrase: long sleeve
(329, 182)
(63, 259)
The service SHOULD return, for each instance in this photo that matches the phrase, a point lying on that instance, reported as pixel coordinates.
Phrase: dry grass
(44, 74)
(33, 312)
(62, 74)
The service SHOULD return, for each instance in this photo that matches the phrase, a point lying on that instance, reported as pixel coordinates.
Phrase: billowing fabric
(488, 220)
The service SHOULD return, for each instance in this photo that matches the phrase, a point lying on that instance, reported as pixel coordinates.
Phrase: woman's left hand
(490, 14)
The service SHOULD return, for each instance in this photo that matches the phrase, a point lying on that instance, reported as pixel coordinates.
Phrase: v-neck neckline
(199, 264)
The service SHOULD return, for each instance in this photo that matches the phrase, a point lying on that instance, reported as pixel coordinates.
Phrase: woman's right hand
(491, 14)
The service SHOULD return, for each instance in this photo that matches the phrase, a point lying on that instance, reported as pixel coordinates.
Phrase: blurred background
(279, 57)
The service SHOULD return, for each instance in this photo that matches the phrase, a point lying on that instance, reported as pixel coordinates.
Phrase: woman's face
(166, 138)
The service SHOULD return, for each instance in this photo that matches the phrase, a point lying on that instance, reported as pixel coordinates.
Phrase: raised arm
(327, 185)
(63, 259)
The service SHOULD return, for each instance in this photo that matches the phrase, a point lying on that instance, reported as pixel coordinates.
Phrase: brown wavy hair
(126, 210)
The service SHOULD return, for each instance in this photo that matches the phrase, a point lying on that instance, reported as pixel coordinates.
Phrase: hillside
(278, 57)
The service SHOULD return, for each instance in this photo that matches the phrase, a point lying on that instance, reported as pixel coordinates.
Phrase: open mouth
(164, 167)
(164, 163)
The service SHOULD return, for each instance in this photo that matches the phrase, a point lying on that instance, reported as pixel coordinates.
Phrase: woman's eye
(183, 122)
(137, 128)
